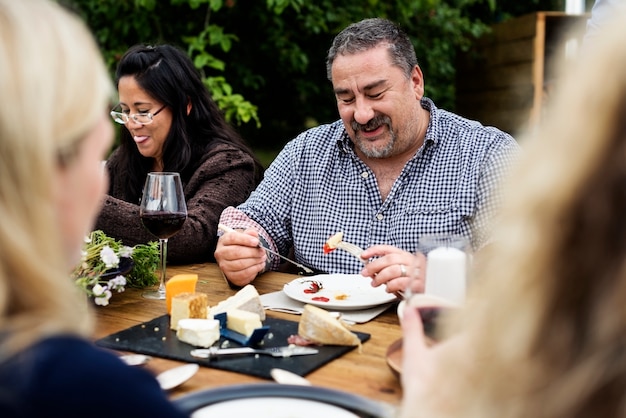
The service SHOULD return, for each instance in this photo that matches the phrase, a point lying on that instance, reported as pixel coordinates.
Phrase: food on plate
(188, 305)
(198, 332)
(332, 242)
(314, 287)
(243, 322)
(246, 299)
(179, 283)
(341, 296)
(318, 326)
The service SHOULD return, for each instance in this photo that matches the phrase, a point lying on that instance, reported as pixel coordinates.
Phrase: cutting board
(155, 338)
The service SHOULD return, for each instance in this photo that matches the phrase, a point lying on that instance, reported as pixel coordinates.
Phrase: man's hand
(394, 268)
(239, 256)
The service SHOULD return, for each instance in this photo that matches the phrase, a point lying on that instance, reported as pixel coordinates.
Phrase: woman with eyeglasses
(171, 123)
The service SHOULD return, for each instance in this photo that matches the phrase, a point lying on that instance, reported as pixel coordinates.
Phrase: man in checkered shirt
(394, 168)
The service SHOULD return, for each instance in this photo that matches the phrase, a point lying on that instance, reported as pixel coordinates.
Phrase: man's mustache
(373, 123)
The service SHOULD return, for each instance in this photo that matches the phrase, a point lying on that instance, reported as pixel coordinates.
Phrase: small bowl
(124, 267)
(394, 355)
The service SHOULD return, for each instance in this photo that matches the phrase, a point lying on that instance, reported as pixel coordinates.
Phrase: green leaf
(146, 258)
(146, 4)
(216, 5)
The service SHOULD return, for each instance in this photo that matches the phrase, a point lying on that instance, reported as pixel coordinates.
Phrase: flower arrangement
(108, 266)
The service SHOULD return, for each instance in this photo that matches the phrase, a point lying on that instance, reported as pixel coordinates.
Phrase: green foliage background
(264, 60)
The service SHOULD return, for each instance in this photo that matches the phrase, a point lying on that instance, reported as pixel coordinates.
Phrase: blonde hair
(55, 89)
(546, 323)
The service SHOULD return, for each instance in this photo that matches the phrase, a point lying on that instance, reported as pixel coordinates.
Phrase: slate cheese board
(155, 338)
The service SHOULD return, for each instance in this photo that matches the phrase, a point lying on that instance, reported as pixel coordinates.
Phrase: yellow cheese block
(243, 322)
(188, 305)
(179, 283)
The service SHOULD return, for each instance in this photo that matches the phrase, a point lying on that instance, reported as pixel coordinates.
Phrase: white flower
(117, 283)
(108, 256)
(97, 289)
(103, 300)
(126, 252)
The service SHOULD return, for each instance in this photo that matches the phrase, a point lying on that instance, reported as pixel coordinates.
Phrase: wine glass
(163, 211)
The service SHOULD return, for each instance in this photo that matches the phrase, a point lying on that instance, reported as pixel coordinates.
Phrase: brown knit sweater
(225, 178)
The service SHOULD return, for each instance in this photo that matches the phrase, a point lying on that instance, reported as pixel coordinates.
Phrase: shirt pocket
(451, 214)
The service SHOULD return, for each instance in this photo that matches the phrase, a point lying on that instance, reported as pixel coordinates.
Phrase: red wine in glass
(163, 224)
(163, 212)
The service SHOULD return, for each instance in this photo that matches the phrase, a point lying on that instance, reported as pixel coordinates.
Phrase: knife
(285, 351)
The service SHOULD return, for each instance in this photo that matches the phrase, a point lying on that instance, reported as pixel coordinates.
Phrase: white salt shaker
(447, 265)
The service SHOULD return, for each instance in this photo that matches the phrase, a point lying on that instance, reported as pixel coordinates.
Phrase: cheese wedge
(198, 332)
(246, 299)
(188, 305)
(243, 322)
(179, 283)
(321, 327)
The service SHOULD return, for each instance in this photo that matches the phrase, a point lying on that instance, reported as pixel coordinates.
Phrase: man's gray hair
(370, 33)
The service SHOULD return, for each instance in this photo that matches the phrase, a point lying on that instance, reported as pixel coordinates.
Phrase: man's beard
(374, 123)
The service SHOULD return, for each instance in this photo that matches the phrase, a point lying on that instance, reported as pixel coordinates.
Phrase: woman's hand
(418, 361)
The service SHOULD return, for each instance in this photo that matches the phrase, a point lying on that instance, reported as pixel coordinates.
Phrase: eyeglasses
(143, 118)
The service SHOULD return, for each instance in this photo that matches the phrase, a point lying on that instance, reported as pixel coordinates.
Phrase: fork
(295, 263)
(355, 250)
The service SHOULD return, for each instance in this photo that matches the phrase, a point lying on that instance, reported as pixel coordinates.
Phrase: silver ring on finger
(402, 270)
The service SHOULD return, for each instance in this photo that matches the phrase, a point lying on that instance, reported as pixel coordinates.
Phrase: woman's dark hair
(168, 74)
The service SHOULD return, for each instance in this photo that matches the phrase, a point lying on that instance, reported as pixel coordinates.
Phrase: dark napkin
(155, 338)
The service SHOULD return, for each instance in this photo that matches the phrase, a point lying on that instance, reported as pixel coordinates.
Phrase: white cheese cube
(198, 332)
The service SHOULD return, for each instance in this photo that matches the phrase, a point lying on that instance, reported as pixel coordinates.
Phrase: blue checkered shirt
(318, 186)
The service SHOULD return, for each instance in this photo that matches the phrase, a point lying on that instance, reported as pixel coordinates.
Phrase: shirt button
(380, 216)
(364, 174)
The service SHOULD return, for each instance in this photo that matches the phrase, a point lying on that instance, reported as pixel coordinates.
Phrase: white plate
(272, 407)
(260, 400)
(171, 378)
(358, 291)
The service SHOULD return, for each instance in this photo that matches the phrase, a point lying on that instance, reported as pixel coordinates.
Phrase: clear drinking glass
(163, 212)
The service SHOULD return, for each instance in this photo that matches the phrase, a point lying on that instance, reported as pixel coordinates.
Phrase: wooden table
(365, 373)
